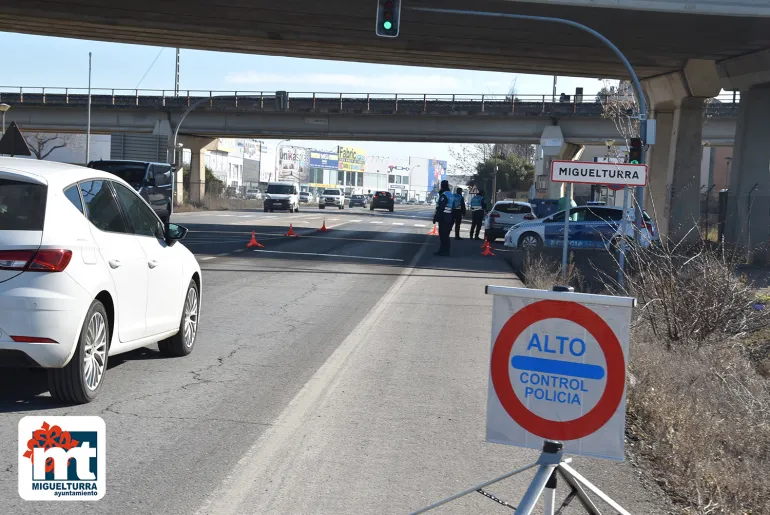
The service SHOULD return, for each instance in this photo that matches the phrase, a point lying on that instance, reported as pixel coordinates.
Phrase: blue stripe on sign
(558, 367)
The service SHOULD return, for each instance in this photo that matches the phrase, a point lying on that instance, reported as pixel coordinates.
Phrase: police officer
(443, 217)
(478, 208)
(458, 211)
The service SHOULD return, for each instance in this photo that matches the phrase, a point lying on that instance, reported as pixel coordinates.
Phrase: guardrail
(379, 103)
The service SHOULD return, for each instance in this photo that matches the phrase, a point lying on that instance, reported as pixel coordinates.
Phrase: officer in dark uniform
(443, 217)
(478, 209)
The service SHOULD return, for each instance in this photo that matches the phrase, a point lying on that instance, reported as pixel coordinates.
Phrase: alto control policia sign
(622, 174)
(558, 370)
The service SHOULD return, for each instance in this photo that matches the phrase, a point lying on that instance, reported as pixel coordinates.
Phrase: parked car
(87, 271)
(382, 200)
(590, 227)
(282, 195)
(359, 201)
(305, 197)
(332, 197)
(411, 202)
(544, 206)
(252, 194)
(151, 180)
(505, 214)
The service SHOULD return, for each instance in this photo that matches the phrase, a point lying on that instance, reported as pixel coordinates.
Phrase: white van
(282, 195)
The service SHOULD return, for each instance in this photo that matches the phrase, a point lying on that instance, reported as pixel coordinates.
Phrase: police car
(590, 227)
(504, 215)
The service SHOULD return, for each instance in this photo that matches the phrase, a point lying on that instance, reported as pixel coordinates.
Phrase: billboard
(325, 160)
(352, 159)
(293, 164)
(436, 173)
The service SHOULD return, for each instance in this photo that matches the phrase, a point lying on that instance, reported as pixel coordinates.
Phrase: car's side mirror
(174, 233)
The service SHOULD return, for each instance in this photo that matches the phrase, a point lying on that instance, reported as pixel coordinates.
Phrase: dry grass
(540, 272)
(699, 407)
(212, 203)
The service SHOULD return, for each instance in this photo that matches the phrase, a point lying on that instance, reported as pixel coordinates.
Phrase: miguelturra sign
(624, 174)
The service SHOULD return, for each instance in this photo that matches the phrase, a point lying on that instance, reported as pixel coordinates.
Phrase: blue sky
(64, 63)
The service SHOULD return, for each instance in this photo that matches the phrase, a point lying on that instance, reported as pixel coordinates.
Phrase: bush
(543, 273)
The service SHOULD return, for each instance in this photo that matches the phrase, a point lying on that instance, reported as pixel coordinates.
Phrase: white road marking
(397, 223)
(354, 221)
(227, 496)
(375, 222)
(326, 255)
(244, 216)
(419, 225)
(225, 215)
(207, 258)
(333, 219)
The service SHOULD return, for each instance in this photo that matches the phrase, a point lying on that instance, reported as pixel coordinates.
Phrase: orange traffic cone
(254, 242)
(434, 231)
(487, 251)
(323, 227)
(485, 245)
(291, 232)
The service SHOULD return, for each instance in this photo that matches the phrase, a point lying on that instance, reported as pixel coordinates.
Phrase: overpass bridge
(343, 116)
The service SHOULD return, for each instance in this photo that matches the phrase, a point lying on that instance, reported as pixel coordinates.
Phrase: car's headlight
(267, 197)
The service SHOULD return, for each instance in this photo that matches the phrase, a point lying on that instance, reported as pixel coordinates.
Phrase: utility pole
(554, 89)
(88, 126)
(176, 78)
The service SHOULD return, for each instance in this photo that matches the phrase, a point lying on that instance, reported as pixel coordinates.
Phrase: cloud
(382, 83)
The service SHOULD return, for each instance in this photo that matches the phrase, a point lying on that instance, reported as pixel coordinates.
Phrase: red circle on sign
(616, 187)
(610, 399)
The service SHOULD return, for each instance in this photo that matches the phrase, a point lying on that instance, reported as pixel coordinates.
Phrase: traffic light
(635, 152)
(388, 18)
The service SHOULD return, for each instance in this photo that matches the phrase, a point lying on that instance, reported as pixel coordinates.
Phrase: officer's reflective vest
(449, 202)
(476, 202)
(458, 201)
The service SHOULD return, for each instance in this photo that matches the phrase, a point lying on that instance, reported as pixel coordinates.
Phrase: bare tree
(619, 105)
(43, 144)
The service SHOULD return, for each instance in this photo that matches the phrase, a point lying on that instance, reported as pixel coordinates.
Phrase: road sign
(622, 174)
(558, 370)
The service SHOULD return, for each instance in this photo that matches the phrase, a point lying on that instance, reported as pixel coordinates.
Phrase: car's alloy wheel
(95, 351)
(79, 380)
(190, 317)
(529, 242)
(182, 343)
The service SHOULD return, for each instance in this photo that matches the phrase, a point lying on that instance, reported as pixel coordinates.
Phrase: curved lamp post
(176, 151)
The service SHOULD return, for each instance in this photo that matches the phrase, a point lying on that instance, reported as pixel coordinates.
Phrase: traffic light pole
(609, 44)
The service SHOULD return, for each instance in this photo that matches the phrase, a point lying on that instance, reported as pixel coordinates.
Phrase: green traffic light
(634, 162)
(387, 25)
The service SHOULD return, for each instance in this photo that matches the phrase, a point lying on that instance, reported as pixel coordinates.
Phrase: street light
(3, 109)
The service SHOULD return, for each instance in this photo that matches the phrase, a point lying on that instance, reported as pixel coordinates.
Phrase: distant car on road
(590, 227)
(331, 197)
(411, 202)
(503, 215)
(87, 271)
(252, 194)
(282, 195)
(305, 197)
(359, 201)
(151, 180)
(382, 200)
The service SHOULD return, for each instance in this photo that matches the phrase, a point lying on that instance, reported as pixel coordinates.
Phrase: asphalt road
(341, 373)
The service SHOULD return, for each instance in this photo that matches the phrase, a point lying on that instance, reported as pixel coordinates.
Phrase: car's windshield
(22, 205)
(357, 197)
(304, 194)
(332, 192)
(280, 189)
(132, 173)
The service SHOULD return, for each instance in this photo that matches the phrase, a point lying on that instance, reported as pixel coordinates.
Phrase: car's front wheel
(181, 344)
(530, 241)
(79, 381)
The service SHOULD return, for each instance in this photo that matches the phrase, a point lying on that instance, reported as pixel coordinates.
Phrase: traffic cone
(323, 227)
(487, 251)
(485, 245)
(291, 232)
(254, 242)
(434, 231)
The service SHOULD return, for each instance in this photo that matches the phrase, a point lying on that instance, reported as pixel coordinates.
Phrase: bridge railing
(378, 103)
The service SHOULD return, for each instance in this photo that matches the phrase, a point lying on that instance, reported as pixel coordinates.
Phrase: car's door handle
(114, 263)
(152, 263)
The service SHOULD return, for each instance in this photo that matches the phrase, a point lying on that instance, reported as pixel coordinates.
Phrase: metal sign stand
(550, 465)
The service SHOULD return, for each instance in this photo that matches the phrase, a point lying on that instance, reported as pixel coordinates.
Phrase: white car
(87, 271)
(282, 195)
(590, 227)
(332, 197)
(504, 215)
(305, 197)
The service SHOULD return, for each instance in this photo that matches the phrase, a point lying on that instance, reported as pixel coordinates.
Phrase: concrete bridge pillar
(198, 147)
(748, 208)
(556, 149)
(676, 103)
